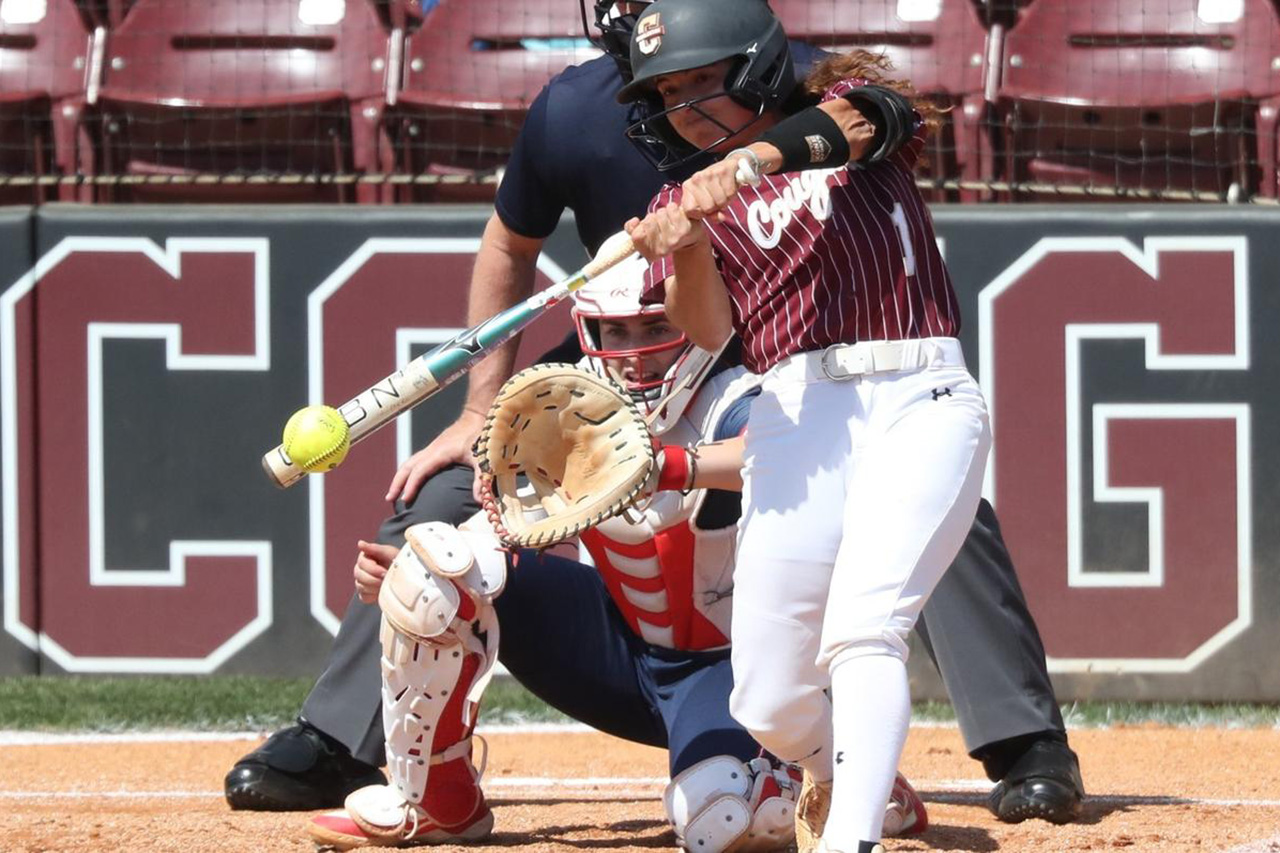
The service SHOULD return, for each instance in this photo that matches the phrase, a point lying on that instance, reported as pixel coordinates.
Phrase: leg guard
(439, 645)
(721, 804)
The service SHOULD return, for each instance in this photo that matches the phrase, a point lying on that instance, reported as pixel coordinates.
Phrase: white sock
(871, 712)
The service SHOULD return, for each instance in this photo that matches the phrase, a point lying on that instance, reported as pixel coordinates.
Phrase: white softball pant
(858, 495)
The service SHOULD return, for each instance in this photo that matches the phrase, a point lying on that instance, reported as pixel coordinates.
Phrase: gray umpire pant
(976, 627)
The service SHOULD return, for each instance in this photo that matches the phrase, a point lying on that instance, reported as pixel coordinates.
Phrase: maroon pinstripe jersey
(828, 256)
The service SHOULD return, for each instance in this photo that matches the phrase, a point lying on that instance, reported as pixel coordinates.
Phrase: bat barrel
(428, 373)
(280, 469)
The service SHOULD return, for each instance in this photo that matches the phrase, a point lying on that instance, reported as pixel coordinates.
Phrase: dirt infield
(1151, 789)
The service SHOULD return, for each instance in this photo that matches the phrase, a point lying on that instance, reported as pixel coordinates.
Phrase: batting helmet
(680, 35)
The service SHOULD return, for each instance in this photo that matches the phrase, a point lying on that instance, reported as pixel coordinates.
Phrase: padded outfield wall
(149, 356)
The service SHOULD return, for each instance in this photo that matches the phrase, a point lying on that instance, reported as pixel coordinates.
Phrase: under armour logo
(840, 757)
(938, 393)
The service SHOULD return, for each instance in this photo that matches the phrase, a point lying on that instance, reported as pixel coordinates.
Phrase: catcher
(636, 646)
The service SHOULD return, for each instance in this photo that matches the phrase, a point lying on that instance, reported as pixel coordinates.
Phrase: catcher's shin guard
(721, 804)
(439, 644)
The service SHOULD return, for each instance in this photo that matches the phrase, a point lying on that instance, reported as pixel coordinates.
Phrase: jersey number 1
(908, 253)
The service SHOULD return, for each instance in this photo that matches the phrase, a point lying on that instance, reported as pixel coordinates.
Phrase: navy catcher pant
(564, 639)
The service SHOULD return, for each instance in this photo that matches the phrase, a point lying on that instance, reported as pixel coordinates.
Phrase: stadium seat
(46, 74)
(1159, 95)
(247, 88)
(1003, 12)
(940, 46)
(470, 74)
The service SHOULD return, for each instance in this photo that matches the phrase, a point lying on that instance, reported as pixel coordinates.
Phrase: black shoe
(298, 769)
(1044, 783)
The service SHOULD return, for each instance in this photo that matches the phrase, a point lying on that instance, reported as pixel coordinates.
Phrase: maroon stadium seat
(1148, 95)
(46, 70)
(943, 52)
(470, 73)
(1003, 12)
(246, 87)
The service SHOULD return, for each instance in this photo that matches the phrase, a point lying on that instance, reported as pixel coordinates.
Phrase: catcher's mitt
(579, 440)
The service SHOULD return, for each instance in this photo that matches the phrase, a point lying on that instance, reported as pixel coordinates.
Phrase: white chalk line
(73, 738)
(974, 792)
(648, 786)
(957, 791)
(29, 738)
(26, 738)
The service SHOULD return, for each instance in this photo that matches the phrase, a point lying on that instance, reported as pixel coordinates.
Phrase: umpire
(976, 626)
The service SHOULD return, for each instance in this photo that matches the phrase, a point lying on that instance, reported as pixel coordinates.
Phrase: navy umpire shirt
(573, 152)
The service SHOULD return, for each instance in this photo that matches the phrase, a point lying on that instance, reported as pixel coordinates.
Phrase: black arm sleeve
(809, 139)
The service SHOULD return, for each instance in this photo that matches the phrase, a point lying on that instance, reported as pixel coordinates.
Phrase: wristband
(809, 139)
(678, 469)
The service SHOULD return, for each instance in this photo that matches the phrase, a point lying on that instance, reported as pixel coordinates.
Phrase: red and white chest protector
(671, 579)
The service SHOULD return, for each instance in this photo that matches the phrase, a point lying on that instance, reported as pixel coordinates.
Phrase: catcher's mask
(671, 36)
(616, 296)
(613, 22)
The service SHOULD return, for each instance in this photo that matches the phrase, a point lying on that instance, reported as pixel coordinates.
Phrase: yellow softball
(316, 439)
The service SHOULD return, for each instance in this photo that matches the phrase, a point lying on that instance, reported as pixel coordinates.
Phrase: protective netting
(396, 100)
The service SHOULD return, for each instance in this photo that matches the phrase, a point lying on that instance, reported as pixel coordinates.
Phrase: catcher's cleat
(337, 831)
(905, 814)
(299, 768)
(1044, 783)
(811, 813)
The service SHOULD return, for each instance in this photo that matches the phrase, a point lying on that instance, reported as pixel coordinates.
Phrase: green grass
(223, 703)
(507, 702)
(1177, 714)
(1085, 715)
(243, 703)
(107, 704)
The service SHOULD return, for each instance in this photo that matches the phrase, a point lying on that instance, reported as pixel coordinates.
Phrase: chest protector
(672, 579)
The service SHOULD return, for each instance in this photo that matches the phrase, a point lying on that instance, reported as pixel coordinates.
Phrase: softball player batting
(646, 658)
(866, 448)
(976, 626)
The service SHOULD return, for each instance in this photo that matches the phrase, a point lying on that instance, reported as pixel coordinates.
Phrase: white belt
(849, 361)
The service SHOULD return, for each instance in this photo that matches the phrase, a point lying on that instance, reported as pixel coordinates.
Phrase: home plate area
(566, 788)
